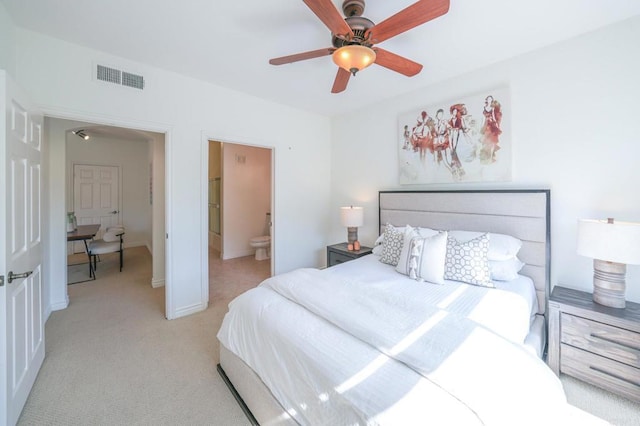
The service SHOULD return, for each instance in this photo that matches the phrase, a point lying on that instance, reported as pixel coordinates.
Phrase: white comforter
(333, 353)
(506, 310)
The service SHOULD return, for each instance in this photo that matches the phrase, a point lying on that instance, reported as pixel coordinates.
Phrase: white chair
(111, 242)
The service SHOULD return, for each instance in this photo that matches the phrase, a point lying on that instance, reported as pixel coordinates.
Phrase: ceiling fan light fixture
(354, 57)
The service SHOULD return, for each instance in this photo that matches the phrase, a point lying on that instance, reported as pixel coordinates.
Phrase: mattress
(346, 347)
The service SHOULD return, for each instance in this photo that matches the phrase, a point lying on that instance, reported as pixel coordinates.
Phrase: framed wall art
(463, 140)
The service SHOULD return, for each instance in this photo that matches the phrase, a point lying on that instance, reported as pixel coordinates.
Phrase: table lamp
(612, 245)
(352, 217)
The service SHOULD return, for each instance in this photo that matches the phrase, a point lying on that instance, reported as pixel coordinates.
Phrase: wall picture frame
(467, 139)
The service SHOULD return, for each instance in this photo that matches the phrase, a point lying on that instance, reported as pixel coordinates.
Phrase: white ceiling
(229, 43)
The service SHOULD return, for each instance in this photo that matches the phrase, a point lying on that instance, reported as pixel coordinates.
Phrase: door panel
(21, 324)
(96, 197)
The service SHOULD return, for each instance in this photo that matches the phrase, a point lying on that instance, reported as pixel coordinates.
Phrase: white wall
(246, 197)
(132, 159)
(58, 76)
(7, 53)
(574, 130)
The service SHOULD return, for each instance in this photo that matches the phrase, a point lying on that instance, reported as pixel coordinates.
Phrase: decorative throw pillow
(408, 235)
(422, 258)
(392, 245)
(467, 261)
(405, 253)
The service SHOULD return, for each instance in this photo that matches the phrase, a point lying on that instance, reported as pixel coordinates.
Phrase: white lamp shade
(351, 217)
(613, 242)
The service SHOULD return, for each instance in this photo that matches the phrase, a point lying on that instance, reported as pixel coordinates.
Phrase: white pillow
(377, 250)
(423, 258)
(410, 233)
(467, 261)
(505, 270)
(501, 246)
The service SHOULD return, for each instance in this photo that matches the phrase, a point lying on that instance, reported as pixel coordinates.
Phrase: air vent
(112, 75)
(132, 80)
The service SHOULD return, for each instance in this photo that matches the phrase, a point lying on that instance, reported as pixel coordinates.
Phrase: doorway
(139, 157)
(240, 190)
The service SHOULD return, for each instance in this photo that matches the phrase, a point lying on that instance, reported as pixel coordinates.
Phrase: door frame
(58, 215)
(204, 190)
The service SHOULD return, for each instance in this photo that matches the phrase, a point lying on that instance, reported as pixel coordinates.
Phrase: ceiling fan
(353, 37)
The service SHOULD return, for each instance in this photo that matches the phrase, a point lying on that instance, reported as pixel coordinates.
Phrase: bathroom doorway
(240, 190)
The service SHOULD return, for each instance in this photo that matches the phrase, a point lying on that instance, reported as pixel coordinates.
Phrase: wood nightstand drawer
(595, 343)
(606, 373)
(602, 339)
(339, 253)
(337, 258)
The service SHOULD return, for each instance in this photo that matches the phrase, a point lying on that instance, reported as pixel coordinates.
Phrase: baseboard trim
(157, 283)
(60, 305)
(234, 255)
(188, 310)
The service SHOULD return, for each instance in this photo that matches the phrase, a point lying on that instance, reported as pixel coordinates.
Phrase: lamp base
(609, 283)
(352, 234)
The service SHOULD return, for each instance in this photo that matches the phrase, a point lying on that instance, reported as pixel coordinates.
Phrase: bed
(371, 342)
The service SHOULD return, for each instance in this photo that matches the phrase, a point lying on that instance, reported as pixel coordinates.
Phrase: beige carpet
(112, 358)
(77, 268)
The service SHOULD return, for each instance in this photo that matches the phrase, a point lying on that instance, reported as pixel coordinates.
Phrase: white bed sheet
(326, 366)
(509, 309)
(322, 375)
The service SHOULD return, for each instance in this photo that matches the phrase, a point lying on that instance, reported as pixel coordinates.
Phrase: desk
(84, 233)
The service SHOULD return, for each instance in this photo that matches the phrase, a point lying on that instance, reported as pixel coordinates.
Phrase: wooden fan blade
(396, 63)
(302, 56)
(414, 15)
(340, 83)
(330, 16)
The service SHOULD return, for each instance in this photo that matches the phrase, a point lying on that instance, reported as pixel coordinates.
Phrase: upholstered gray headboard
(524, 214)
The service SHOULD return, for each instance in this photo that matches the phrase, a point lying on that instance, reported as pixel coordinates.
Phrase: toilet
(262, 244)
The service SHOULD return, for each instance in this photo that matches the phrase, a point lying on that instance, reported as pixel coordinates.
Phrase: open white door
(21, 321)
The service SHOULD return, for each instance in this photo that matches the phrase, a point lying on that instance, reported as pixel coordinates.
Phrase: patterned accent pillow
(468, 261)
(423, 258)
(392, 245)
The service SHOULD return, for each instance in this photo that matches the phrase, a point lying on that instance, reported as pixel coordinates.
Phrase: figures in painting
(455, 142)
(441, 137)
(422, 135)
(491, 130)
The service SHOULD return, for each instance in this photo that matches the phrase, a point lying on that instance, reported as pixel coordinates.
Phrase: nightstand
(338, 253)
(595, 343)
